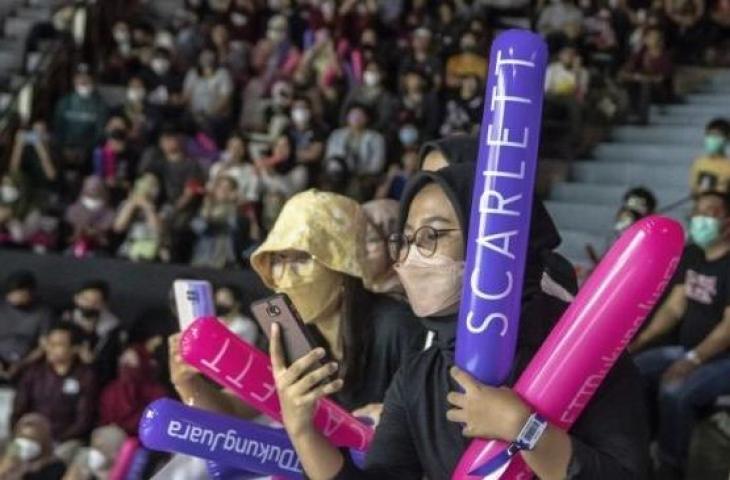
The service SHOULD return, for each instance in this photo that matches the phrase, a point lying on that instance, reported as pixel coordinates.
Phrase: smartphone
(193, 299)
(296, 339)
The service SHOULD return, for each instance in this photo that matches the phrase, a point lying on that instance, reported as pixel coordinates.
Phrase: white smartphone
(193, 299)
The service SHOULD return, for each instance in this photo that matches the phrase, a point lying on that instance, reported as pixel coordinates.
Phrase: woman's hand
(486, 412)
(299, 391)
(184, 377)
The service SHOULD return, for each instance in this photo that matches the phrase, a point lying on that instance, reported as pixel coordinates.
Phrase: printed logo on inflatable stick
(170, 426)
(231, 362)
(501, 206)
(591, 335)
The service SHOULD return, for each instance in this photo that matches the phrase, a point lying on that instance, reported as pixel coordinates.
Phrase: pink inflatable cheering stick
(124, 460)
(583, 346)
(219, 354)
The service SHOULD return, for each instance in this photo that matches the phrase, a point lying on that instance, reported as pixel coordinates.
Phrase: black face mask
(88, 312)
(223, 310)
(23, 307)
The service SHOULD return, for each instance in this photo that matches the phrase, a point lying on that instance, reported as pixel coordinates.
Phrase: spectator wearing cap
(421, 58)
(362, 148)
(711, 171)
(23, 318)
(372, 93)
(79, 120)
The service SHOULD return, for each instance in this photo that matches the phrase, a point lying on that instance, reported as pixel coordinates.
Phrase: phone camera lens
(273, 311)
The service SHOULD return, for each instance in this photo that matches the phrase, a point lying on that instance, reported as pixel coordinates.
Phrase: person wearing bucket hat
(315, 254)
(414, 438)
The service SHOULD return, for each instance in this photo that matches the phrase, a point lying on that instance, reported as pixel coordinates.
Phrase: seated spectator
(165, 86)
(560, 18)
(90, 219)
(467, 62)
(685, 377)
(372, 94)
(335, 176)
(463, 112)
(216, 225)
(419, 105)
(96, 461)
(137, 111)
(566, 85)
(600, 35)
(275, 55)
(29, 455)
(685, 26)
(711, 171)
(31, 156)
(362, 148)
(139, 221)
(648, 75)
(207, 92)
(641, 200)
(308, 135)
(124, 400)
(320, 63)
(79, 119)
(101, 335)
(23, 319)
(381, 222)
(422, 59)
(229, 309)
(281, 174)
(182, 186)
(718, 34)
(397, 177)
(115, 163)
(22, 223)
(61, 388)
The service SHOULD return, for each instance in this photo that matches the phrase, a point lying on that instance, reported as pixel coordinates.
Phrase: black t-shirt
(707, 289)
(52, 471)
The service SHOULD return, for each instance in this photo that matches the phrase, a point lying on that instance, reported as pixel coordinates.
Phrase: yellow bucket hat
(328, 226)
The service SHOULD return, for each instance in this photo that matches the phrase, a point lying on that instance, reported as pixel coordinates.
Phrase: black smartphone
(295, 338)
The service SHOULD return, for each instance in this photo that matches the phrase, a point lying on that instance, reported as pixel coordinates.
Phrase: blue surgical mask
(408, 135)
(714, 144)
(704, 230)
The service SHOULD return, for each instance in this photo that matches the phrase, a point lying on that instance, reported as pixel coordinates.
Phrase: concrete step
(601, 194)
(37, 14)
(698, 121)
(18, 27)
(574, 243)
(654, 153)
(664, 134)
(627, 173)
(592, 219)
(692, 110)
(708, 98)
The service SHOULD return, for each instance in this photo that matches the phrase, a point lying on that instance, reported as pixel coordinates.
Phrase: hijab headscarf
(455, 149)
(382, 216)
(327, 226)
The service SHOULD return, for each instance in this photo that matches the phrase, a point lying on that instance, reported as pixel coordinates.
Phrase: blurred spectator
(421, 58)
(137, 112)
(308, 135)
(124, 399)
(139, 221)
(23, 319)
(114, 163)
(229, 309)
(165, 85)
(718, 34)
(641, 200)
(381, 222)
(61, 388)
(335, 176)
(101, 335)
(320, 64)
(711, 171)
(90, 219)
(419, 105)
(22, 223)
(463, 112)
(207, 91)
(648, 75)
(362, 148)
(79, 121)
(216, 225)
(468, 61)
(234, 162)
(560, 18)
(685, 27)
(29, 455)
(31, 156)
(566, 84)
(96, 461)
(275, 55)
(372, 94)
(397, 177)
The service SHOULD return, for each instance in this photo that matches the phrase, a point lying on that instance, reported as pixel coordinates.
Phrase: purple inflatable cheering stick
(501, 207)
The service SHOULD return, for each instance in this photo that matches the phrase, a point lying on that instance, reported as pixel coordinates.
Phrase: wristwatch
(530, 434)
(693, 357)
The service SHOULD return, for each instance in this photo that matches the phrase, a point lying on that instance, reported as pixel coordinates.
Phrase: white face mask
(9, 193)
(84, 90)
(300, 116)
(96, 460)
(160, 66)
(91, 203)
(27, 449)
(136, 95)
(370, 78)
(433, 285)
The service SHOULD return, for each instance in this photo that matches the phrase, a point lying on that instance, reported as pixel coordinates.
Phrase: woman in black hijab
(414, 438)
